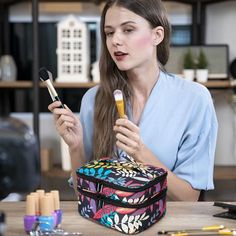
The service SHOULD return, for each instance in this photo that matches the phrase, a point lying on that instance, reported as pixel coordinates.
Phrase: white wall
(220, 25)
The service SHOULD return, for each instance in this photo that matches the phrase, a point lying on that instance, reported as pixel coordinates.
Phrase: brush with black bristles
(46, 77)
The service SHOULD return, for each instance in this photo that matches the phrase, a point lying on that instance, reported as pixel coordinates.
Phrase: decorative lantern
(73, 55)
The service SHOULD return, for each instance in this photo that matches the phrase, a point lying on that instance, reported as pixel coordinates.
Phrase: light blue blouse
(178, 124)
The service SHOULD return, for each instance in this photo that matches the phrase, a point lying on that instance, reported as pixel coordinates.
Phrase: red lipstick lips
(120, 55)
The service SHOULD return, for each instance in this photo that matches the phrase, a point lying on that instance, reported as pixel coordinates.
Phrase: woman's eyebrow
(122, 24)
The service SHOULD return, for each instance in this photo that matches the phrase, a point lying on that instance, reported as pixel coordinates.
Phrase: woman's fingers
(127, 133)
(128, 138)
(54, 105)
(128, 124)
(129, 150)
(129, 142)
(65, 118)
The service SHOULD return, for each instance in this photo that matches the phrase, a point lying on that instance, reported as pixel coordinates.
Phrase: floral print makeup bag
(126, 196)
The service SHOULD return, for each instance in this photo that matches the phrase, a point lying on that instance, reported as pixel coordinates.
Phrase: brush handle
(58, 99)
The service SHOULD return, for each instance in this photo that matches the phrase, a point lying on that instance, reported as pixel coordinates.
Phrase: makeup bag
(126, 196)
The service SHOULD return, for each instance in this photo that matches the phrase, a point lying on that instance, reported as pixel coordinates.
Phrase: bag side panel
(125, 220)
(122, 196)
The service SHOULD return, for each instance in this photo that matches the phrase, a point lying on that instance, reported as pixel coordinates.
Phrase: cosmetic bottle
(58, 211)
(41, 194)
(30, 214)
(54, 214)
(2, 223)
(36, 195)
(46, 220)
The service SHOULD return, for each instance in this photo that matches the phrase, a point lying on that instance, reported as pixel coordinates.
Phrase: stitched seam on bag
(100, 197)
(118, 187)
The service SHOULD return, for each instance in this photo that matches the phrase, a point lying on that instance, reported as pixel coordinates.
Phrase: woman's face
(129, 39)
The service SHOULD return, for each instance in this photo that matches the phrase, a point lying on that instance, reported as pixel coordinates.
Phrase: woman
(170, 122)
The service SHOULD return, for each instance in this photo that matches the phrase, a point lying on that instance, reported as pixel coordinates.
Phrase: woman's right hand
(67, 124)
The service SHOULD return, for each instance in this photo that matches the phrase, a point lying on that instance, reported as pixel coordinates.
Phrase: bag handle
(137, 165)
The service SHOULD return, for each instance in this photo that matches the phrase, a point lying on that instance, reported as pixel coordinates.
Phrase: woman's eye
(128, 30)
(108, 34)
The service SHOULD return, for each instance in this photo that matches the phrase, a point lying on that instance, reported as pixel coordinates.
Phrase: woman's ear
(158, 33)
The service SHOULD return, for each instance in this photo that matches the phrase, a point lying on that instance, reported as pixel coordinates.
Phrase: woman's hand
(128, 138)
(67, 124)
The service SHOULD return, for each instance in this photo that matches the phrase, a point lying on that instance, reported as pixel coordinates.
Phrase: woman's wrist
(76, 148)
(73, 149)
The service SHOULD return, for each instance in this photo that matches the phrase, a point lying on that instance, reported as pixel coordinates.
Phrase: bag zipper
(104, 199)
(122, 188)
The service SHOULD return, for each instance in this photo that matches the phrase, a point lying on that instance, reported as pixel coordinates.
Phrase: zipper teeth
(147, 203)
(118, 187)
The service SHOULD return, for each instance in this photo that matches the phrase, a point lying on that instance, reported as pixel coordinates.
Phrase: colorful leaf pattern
(126, 175)
(122, 174)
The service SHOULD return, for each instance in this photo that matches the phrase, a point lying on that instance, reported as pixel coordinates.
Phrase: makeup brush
(205, 228)
(119, 102)
(46, 77)
(212, 233)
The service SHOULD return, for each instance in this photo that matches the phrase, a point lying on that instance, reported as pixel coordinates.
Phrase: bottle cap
(30, 205)
(56, 199)
(52, 201)
(36, 195)
(41, 194)
(46, 207)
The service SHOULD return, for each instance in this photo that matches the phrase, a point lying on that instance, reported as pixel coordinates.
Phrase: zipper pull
(99, 187)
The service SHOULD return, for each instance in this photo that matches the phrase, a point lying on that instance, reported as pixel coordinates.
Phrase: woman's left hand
(128, 138)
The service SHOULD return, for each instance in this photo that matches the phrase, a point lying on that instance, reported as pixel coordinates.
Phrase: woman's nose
(117, 39)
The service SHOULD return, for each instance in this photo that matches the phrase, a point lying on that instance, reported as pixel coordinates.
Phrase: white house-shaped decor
(73, 54)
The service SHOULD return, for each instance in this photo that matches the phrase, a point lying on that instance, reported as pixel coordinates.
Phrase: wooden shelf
(220, 172)
(221, 84)
(225, 173)
(56, 171)
(29, 84)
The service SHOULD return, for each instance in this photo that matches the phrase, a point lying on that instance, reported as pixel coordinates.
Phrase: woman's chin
(123, 67)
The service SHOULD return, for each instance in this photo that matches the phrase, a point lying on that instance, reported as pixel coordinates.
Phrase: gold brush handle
(201, 233)
(121, 108)
(213, 227)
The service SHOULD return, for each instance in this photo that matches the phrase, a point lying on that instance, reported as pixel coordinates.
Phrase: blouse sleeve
(195, 157)
(86, 119)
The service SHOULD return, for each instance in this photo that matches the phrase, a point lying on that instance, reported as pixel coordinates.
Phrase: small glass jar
(8, 68)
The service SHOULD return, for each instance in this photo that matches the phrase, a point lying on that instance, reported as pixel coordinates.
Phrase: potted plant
(188, 65)
(202, 68)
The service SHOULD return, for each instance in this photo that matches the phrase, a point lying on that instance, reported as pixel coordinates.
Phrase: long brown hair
(112, 78)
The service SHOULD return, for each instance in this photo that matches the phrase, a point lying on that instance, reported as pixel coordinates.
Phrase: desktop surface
(179, 215)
